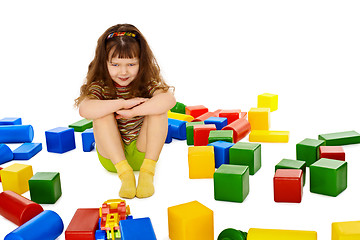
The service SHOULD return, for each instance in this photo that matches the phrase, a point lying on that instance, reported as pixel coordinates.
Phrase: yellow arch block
(180, 116)
(274, 234)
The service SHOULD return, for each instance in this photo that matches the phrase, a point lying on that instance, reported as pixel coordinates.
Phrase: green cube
(292, 164)
(231, 183)
(81, 125)
(45, 187)
(308, 150)
(221, 135)
(340, 138)
(328, 177)
(179, 108)
(247, 154)
(190, 132)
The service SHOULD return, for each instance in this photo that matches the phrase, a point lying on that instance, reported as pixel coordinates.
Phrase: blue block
(27, 151)
(60, 140)
(221, 150)
(10, 121)
(178, 128)
(100, 235)
(16, 133)
(88, 140)
(169, 135)
(219, 122)
(6, 154)
(137, 229)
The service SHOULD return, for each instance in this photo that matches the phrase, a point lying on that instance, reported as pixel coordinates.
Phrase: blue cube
(60, 140)
(219, 122)
(88, 140)
(221, 149)
(137, 229)
(10, 121)
(27, 151)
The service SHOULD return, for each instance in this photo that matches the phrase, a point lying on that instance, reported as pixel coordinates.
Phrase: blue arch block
(178, 128)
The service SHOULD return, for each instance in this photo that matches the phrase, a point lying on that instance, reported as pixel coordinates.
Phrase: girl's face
(123, 70)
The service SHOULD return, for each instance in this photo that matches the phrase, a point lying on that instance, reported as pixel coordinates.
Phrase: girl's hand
(125, 114)
(133, 102)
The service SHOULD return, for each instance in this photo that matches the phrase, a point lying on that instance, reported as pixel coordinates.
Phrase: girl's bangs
(125, 49)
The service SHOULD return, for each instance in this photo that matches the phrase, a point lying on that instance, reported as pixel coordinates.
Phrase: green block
(328, 177)
(340, 138)
(190, 132)
(231, 183)
(81, 125)
(179, 108)
(45, 187)
(221, 135)
(308, 150)
(248, 154)
(292, 164)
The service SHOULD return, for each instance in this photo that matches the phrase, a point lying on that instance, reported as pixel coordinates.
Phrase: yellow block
(345, 230)
(269, 136)
(259, 118)
(180, 116)
(201, 161)
(16, 178)
(268, 100)
(191, 221)
(274, 234)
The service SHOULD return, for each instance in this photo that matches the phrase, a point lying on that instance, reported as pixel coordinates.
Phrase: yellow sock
(128, 183)
(145, 186)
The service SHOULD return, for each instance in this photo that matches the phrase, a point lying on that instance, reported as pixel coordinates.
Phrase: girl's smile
(123, 70)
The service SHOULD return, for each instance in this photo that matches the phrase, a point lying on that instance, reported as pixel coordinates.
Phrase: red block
(18, 209)
(83, 224)
(196, 111)
(240, 128)
(243, 115)
(288, 185)
(231, 115)
(201, 134)
(332, 152)
(207, 115)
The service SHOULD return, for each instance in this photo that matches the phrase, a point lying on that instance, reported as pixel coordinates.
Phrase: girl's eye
(132, 64)
(114, 64)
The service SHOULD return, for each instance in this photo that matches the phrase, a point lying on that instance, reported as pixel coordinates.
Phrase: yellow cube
(268, 100)
(259, 118)
(201, 162)
(345, 230)
(16, 178)
(269, 136)
(277, 234)
(180, 116)
(191, 221)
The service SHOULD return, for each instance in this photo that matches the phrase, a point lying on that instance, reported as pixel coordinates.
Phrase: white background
(218, 54)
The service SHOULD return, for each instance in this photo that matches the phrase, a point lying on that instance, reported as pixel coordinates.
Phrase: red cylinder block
(207, 115)
(240, 128)
(18, 209)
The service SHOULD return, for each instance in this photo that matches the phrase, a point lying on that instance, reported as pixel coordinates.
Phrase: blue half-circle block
(6, 154)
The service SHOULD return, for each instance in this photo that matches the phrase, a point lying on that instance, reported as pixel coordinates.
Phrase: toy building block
(15, 178)
(269, 136)
(88, 140)
(18, 209)
(247, 154)
(178, 128)
(218, 121)
(288, 185)
(60, 140)
(345, 230)
(201, 161)
(27, 151)
(340, 138)
(201, 134)
(243, 115)
(81, 125)
(207, 115)
(240, 128)
(46, 225)
(179, 108)
(180, 116)
(292, 164)
(259, 118)
(221, 150)
(10, 121)
(16, 133)
(278, 234)
(196, 111)
(308, 150)
(230, 115)
(221, 135)
(190, 131)
(0, 173)
(332, 152)
(191, 221)
(45, 187)
(137, 229)
(168, 135)
(230, 234)
(268, 100)
(231, 183)
(83, 224)
(6, 154)
(328, 177)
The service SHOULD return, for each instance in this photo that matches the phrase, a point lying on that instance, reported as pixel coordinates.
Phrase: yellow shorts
(134, 157)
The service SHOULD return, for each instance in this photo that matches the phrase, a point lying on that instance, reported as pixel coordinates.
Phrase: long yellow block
(16, 178)
(345, 230)
(275, 234)
(269, 136)
(180, 116)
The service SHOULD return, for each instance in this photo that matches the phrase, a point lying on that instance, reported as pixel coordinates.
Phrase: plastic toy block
(201, 134)
(328, 177)
(15, 177)
(6, 154)
(259, 118)
(179, 108)
(196, 111)
(88, 140)
(81, 125)
(178, 128)
(180, 116)
(231, 183)
(308, 150)
(10, 121)
(60, 140)
(221, 150)
(248, 154)
(243, 115)
(201, 161)
(0, 173)
(268, 100)
(345, 230)
(83, 224)
(207, 115)
(277, 234)
(190, 132)
(269, 136)
(27, 151)
(332, 152)
(16, 133)
(168, 135)
(45, 187)
(232, 234)
(221, 135)
(288, 185)
(218, 121)
(231, 115)
(240, 128)
(137, 229)
(292, 164)
(46, 225)
(191, 221)
(340, 138)
(18, 209)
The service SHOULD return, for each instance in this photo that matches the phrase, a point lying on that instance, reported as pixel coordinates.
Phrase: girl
(127, 100)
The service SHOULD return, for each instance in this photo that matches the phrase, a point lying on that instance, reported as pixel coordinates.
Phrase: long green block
(179, 108)
(292, 164)
(81, 125)
(340, 138)
(221, 135)
(190, 132)
(308, 150)
(247, 154)
(45, 187)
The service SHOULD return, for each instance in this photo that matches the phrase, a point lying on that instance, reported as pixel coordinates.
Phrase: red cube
(196, 111)
(332, 152)
(288, 185)
(201, 134)
(231, 115)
